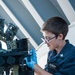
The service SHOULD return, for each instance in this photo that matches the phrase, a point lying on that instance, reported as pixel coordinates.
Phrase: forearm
(40, 71)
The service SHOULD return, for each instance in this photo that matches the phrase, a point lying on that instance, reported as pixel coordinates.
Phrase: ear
(60, 36)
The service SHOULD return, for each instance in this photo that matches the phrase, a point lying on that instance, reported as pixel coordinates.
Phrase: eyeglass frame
(47, 40)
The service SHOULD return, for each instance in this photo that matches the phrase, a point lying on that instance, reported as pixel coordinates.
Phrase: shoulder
(71, 52)
(70, 47)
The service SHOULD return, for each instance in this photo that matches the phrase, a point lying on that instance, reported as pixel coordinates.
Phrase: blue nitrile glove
(33, 55)
(33, 59)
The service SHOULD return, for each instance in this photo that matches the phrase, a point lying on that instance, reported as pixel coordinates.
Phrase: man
(61, 57)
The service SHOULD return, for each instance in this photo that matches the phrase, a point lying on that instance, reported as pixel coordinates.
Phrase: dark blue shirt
(62, 63)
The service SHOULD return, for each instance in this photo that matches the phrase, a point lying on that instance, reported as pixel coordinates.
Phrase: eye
(48, 39)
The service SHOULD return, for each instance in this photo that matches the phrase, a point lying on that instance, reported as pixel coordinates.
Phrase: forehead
(46, 33)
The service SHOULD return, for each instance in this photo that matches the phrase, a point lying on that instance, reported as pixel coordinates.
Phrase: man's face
(51, 40)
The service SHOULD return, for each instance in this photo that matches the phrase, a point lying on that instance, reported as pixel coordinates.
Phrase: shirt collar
(64, 49)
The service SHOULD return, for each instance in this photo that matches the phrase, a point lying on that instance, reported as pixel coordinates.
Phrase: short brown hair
(56, 25)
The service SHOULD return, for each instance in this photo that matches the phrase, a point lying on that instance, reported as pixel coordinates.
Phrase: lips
(48, 45)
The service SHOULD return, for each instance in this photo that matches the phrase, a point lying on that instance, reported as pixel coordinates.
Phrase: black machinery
(12, 60)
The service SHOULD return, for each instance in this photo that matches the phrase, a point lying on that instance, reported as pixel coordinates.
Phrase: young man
(61, 57)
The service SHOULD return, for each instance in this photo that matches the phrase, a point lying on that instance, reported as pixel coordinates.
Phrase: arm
(68, 67)
(33, 64)
(40, 71)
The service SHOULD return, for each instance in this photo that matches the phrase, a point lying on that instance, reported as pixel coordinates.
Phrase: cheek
(54, 44)
(51, 46)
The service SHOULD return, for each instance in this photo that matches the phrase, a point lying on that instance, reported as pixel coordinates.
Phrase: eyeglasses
(47, 40)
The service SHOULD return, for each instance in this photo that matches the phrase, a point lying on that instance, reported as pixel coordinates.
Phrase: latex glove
(33, 55)
(33, 59)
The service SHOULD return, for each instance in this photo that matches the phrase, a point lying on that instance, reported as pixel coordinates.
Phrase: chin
(51, 48)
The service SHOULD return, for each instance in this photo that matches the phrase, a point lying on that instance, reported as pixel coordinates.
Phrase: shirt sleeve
(68, 68)
(46, 66)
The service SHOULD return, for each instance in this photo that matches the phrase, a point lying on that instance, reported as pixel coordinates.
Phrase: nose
(47, 42)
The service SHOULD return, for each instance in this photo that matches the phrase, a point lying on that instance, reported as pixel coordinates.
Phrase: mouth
(48, 45)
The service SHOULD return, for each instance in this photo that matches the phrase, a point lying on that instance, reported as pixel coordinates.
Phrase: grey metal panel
(8, 20)
(25, 19)
(45, 9)
(72, 3)
(58, 8)
(4, 15)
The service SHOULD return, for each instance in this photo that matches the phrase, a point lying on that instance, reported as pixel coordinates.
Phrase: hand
(33, 59)
(33, 55)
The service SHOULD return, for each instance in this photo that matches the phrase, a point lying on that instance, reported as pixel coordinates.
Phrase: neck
(60, 46)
